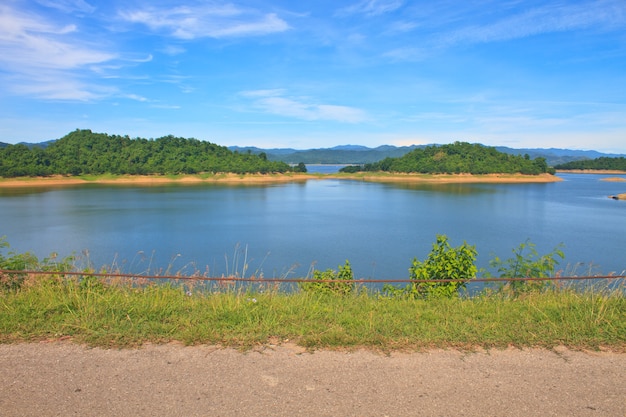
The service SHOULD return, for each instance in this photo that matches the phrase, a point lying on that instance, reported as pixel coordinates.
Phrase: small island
(602, 165)
(457, 158)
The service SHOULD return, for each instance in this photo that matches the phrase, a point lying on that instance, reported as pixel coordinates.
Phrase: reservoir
(284, 230)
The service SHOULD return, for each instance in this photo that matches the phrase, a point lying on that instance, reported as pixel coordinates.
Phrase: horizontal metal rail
(294, 280)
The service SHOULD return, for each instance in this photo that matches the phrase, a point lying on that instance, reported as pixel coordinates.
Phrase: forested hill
(603, 163)
(84, 152)
(355, 154)
(460, 157)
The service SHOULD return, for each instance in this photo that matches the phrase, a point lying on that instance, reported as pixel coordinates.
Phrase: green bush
(454, 267)
(14, 262)
(339, 282)
(527, 263)
(27, 261)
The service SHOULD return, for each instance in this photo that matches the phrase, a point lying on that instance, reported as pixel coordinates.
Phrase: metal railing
(254, 279)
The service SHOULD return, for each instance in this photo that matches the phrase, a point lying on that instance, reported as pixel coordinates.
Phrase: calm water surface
(284, 229)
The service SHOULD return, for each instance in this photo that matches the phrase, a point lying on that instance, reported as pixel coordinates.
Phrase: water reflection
(444, 188)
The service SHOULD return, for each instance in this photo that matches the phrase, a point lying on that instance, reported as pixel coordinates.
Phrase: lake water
(283, 229)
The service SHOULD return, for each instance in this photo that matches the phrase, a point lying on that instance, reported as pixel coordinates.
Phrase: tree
(301, 167)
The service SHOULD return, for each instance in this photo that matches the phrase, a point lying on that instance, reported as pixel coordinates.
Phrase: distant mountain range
(31, 145)
(357, 154)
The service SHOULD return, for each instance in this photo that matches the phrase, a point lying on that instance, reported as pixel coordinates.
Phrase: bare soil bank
(455, 178)
(591, 171)
(147, 180)
(62, 379)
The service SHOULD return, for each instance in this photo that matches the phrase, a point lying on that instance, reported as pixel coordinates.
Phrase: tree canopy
(84, 152)
(458, 158)
(604, 163)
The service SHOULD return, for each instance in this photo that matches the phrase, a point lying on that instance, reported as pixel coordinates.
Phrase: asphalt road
(64, 379)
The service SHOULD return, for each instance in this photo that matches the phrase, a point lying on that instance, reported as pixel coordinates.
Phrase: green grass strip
(121, 315)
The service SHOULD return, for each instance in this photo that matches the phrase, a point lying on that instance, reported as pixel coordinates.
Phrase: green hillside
(602, 163)
(84, 152)
(460, 157)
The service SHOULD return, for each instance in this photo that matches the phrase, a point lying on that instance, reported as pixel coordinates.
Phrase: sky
(318, 73)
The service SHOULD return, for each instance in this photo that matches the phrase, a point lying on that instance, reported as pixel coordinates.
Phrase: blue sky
(309, 74)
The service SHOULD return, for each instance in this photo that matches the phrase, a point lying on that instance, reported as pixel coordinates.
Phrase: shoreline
(590, 171)
(452, 178)
(252, 179)
(148, 180)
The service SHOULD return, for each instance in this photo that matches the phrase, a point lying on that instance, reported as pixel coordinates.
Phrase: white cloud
(173, 50)
(42, 59)
(136, 97)
(55, 85)
(214, 21)
(371, 7)
(275, 102)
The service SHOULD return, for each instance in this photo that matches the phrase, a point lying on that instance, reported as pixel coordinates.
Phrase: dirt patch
(59, 379)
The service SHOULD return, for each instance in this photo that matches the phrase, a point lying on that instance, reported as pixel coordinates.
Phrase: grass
(122, 315)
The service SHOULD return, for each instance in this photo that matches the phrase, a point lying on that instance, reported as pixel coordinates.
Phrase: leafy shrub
(14, 262)
(527, 263)
(452, 266)
(27, 261)
(339, 282)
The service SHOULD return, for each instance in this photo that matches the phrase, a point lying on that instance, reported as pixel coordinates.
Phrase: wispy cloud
(371, 7)
(276, 102)
(173, 50)
(165, 106)
(406, 54)
(551, 18)
(68, 6)
(56, 85)
(136, 97)
(429, 30)
(41, 58)
(213, 21)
